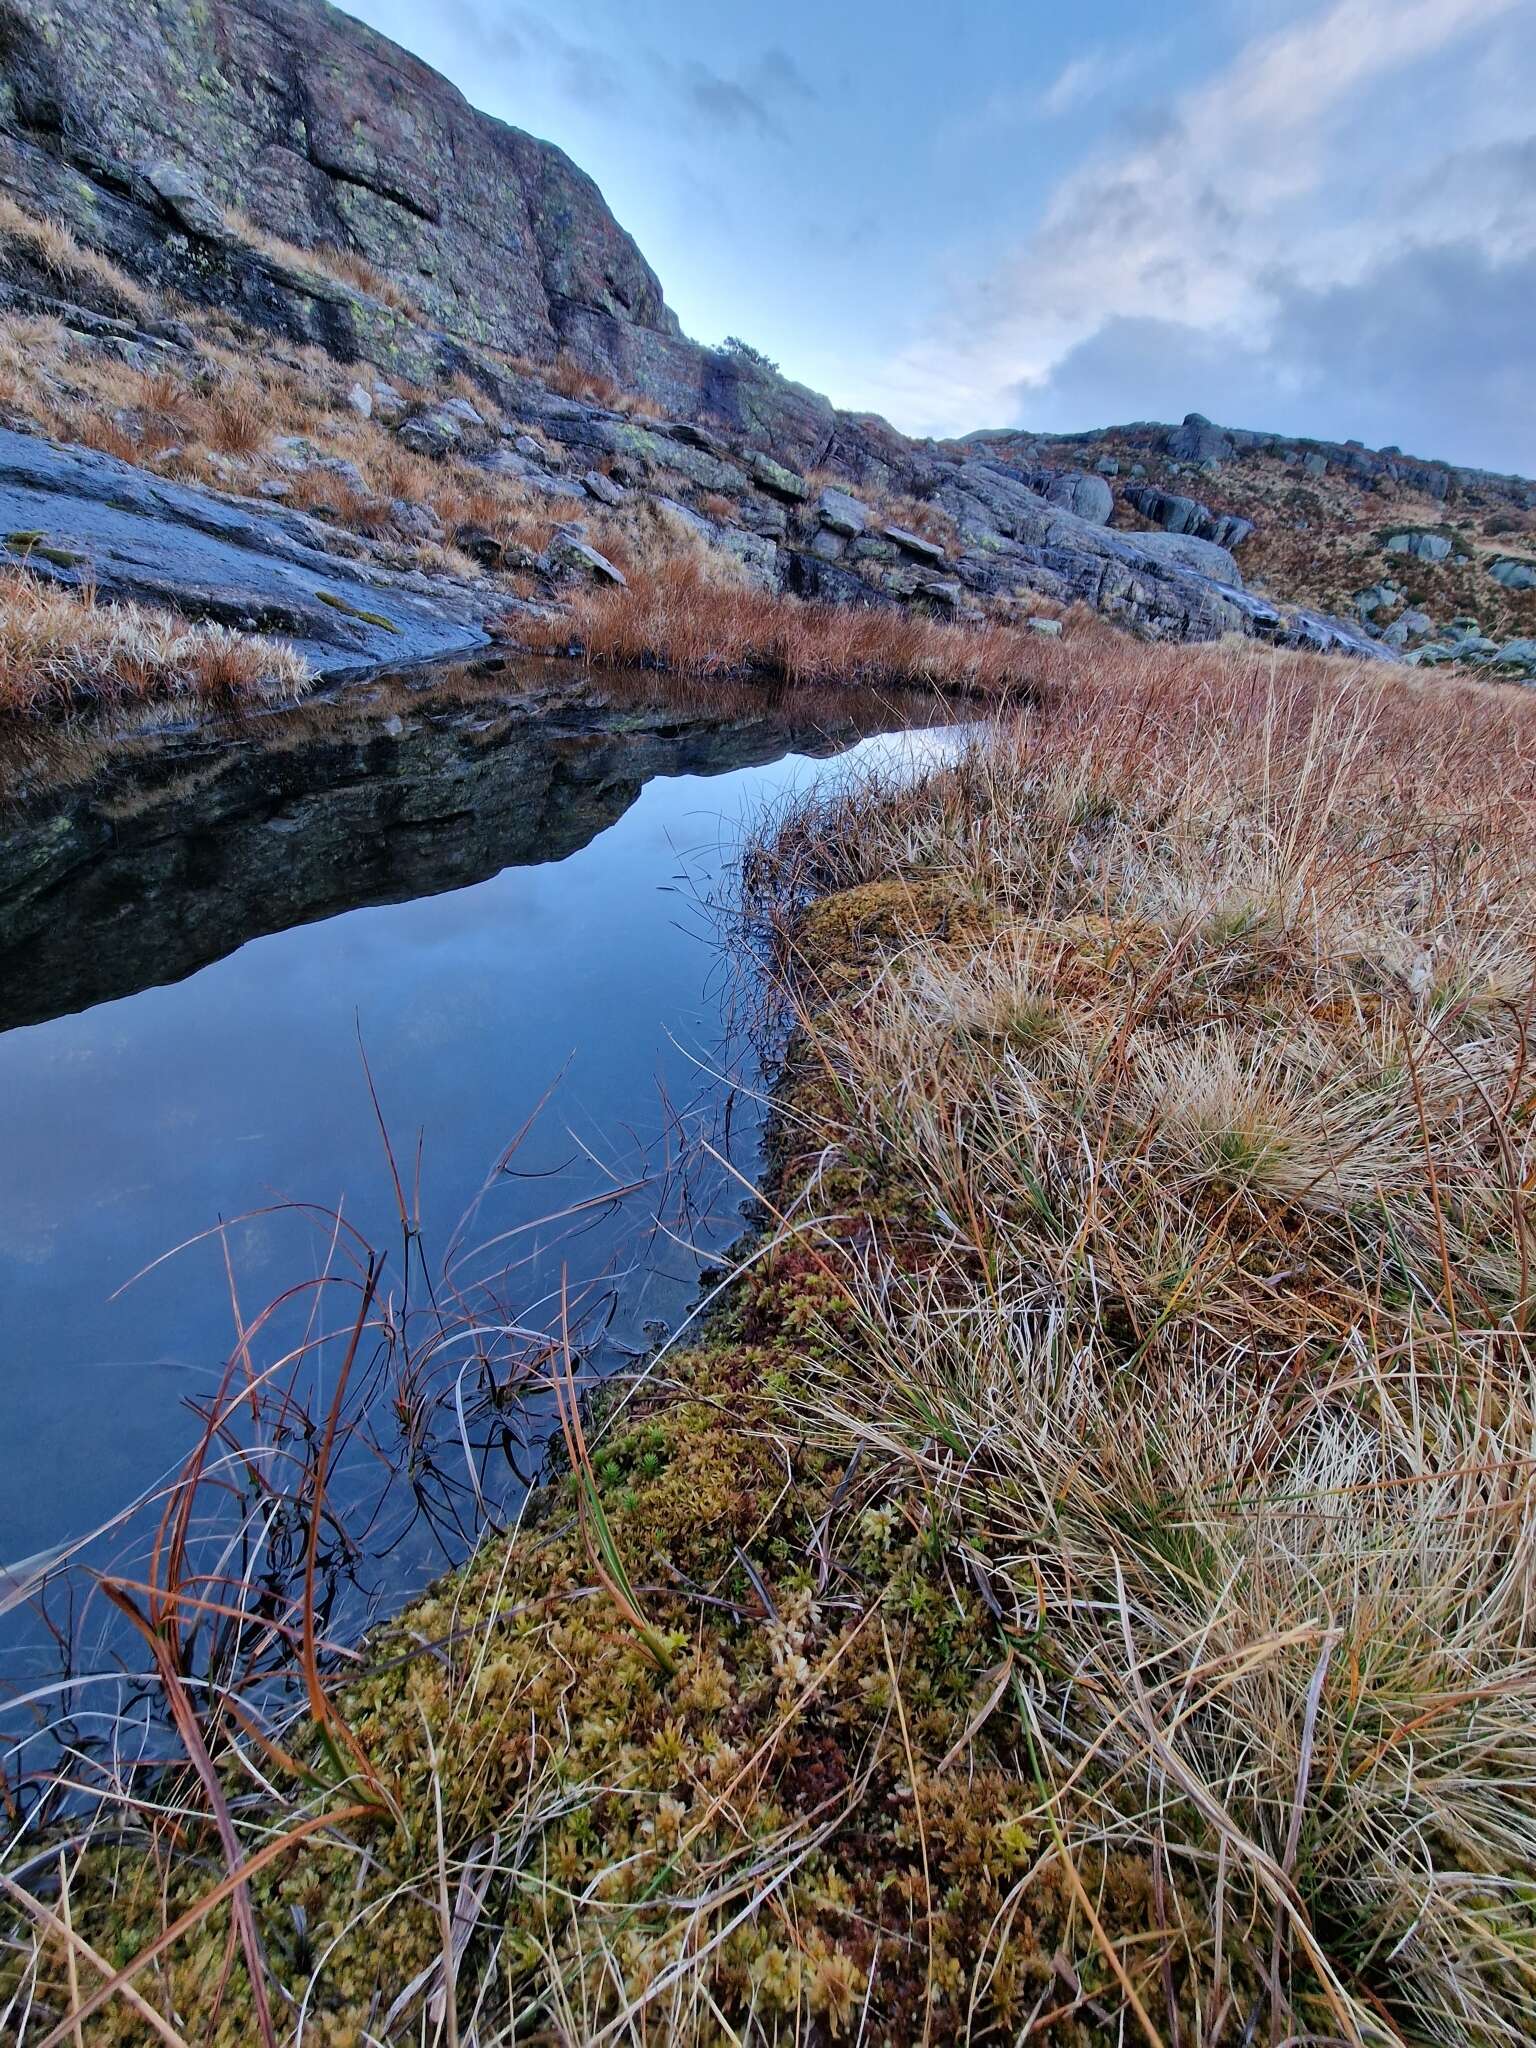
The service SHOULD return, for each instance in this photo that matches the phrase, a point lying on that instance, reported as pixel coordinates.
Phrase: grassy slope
(1084, 1579)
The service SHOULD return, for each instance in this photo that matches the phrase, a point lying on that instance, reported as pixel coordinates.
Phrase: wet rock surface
(85, 518)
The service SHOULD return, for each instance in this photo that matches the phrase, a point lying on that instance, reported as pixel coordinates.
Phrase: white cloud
(1087, 77)
(1313, 154)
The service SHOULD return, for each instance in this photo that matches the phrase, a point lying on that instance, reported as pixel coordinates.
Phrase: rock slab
(241, 561)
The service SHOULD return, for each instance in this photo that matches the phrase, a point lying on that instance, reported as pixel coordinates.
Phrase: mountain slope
(263, 211)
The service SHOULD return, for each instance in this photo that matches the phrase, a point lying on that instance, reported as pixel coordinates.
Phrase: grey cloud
(590, 73)
(724, 102)
(748, 100)
(777, 72)
(1431, 348)
(587, 73)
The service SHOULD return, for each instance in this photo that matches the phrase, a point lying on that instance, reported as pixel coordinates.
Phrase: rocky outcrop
(84, 518)
(1177, 514)
(157, 134)
(291, 170)
(323, 133)
(1197, 445)
(1173, 587)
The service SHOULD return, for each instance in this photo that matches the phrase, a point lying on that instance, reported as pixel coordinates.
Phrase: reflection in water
(180, 846)
(499, 884)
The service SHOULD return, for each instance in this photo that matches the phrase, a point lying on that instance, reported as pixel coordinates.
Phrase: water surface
(497, 887)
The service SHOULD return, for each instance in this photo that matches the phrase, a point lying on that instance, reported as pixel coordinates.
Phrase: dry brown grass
(1175, 1140)
(59, 252)
(220, 422)
(592, 387)
(891, 508)
(60, 649)
(689, 616)
(342, 266)
(567, 376)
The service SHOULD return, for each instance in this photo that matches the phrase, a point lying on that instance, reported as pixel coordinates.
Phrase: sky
(1311, 216)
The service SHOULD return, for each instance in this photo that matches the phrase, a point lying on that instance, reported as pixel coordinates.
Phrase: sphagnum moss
(817, 1821)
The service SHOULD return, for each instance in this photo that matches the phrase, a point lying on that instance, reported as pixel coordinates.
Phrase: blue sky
(1312, 215)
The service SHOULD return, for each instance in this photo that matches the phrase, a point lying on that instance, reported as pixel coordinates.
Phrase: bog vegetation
(688, 613)
(1079, 1587)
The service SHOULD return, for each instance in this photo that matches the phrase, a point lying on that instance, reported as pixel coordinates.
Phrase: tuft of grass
(571, 380)
(60, 648)
(1196, 1305)
(343, 266)
(693, 615)
(55, 249)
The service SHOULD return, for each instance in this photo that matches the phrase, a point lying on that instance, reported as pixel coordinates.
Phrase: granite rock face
(244, 562)
(322, 132)
(144, 127)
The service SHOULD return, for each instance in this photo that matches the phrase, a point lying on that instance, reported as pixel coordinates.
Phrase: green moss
(30, 545)
(352, 611)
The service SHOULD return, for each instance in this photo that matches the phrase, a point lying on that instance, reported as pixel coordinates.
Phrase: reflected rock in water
(132, 860)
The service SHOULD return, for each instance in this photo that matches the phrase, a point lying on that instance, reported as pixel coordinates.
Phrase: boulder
(431, 433)
(463, 411)
(570, 552)
(564, 488)
(841, 513)
(1513, 573)
(1088, 497)
(1406, 628)
(603, 488)
(1198, 441)
(914, 544)
(415, 522)
(184, 199)
(1419, 542)
(1177, 514)
(784, 483)
(693, 435)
